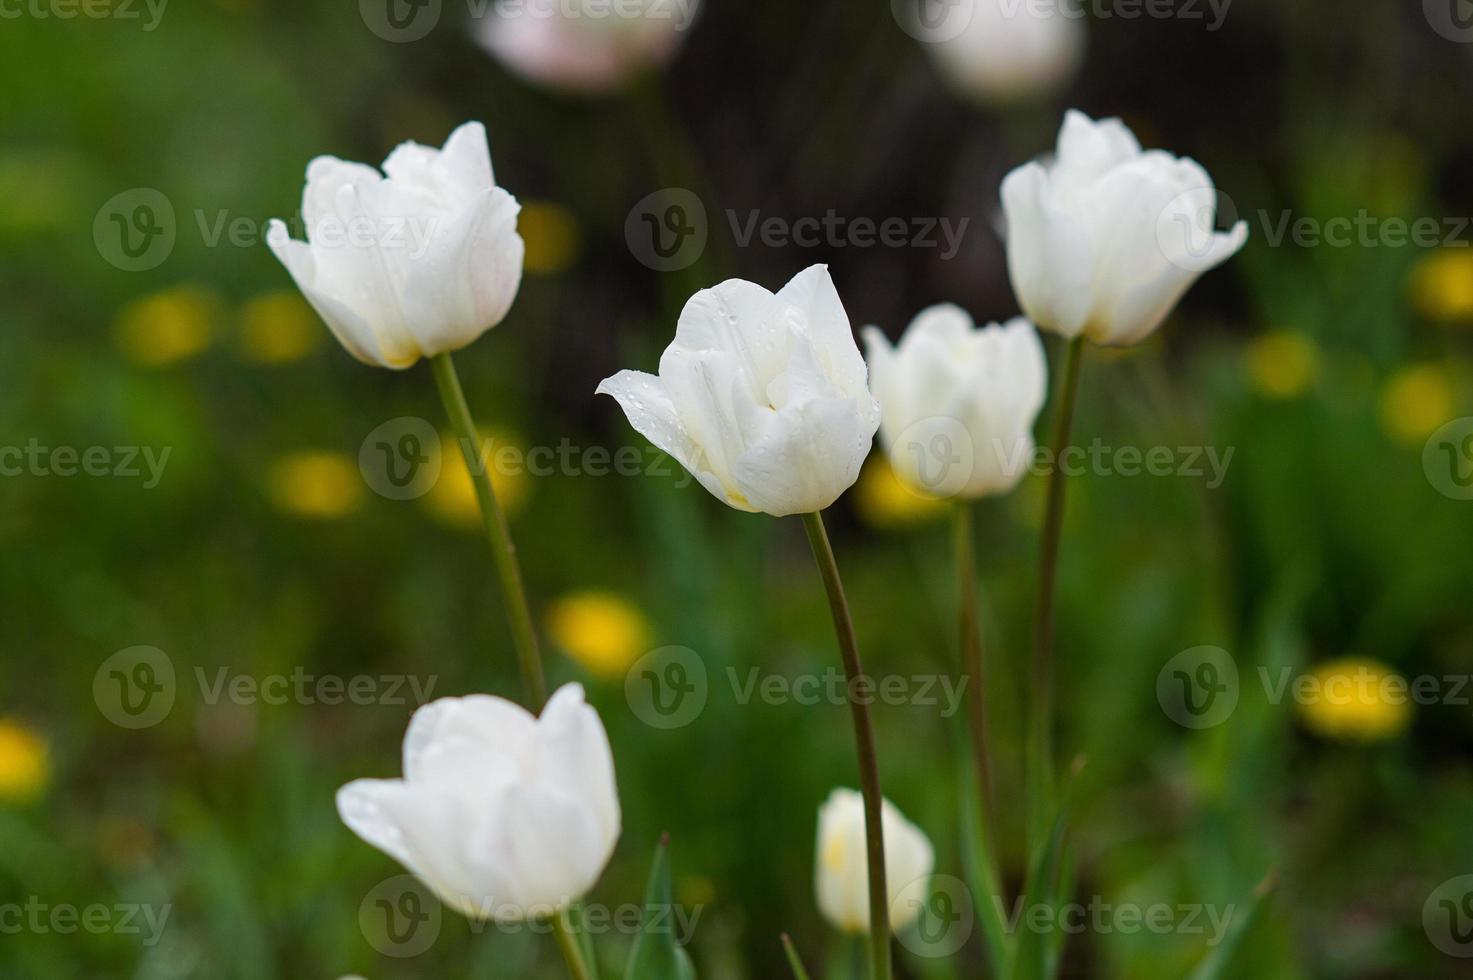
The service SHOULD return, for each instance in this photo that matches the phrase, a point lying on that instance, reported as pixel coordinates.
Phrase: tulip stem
(972, 662)
(864, 736)
(514, 595)
(1041, 717)
(568, 943)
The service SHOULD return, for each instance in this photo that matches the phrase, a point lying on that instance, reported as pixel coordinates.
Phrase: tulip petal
(462, 278)
(1050, 255)
(418, 827)
(1145, 306)
(577, 756)
(1088, 149)
(812, 293)
(447, 738)
(351, 330)
(811, 457)
(735, 318)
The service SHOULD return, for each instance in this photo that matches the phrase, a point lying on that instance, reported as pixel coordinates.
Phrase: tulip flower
(1103, 240)
(584, 47)
(417, 261)
(958, 402)
(762, 397)
(502, 815)
(842, 877)
(1012, 50)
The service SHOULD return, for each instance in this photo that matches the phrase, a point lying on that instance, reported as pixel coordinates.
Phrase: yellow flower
(1416, 401)
(1281, 364)
(1442, 285)
(1355, 698)
(167, 327)
(24, 763)
(601, 630)
(278, 328)
(322, 485)
(551, 234)
(453, 497)
(884, 502)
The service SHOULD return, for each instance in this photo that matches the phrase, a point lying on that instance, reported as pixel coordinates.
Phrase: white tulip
(416, 263)
(1104, 239)
(1011, 50)
(583, 45)
(958, 402)
(503, 815)
(762, 397)
(842, 865)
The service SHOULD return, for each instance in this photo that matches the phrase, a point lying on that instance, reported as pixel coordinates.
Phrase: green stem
(972, 664)
(864, 737)
(1041, 690)
(568, 943)
(514, 596)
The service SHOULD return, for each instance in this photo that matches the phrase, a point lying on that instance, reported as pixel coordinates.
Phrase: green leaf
(656, 955)
(1037, 952)
(793, 960)
(979, 858)
(584, 940)
(1218, 958)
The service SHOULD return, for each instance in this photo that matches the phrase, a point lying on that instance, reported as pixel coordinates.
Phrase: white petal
(811, 457)
(736, 318)
(1088, 149)
(351, 330)
(453, 737)
(1050, 255)
(813, 294)
(650, 411)
(463, 277)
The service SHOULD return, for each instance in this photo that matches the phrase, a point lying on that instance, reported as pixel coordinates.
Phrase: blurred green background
(262, 550)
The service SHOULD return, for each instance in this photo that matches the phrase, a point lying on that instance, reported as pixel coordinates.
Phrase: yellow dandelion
(315, 484)
(601, 630)
(278, 328)
(884, 502)
(1355, 698)
(167, 327)
(1415, 401)
(551, 234)
(25, 763)
(453, 497)
(1281, 364)
(1441, 285)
